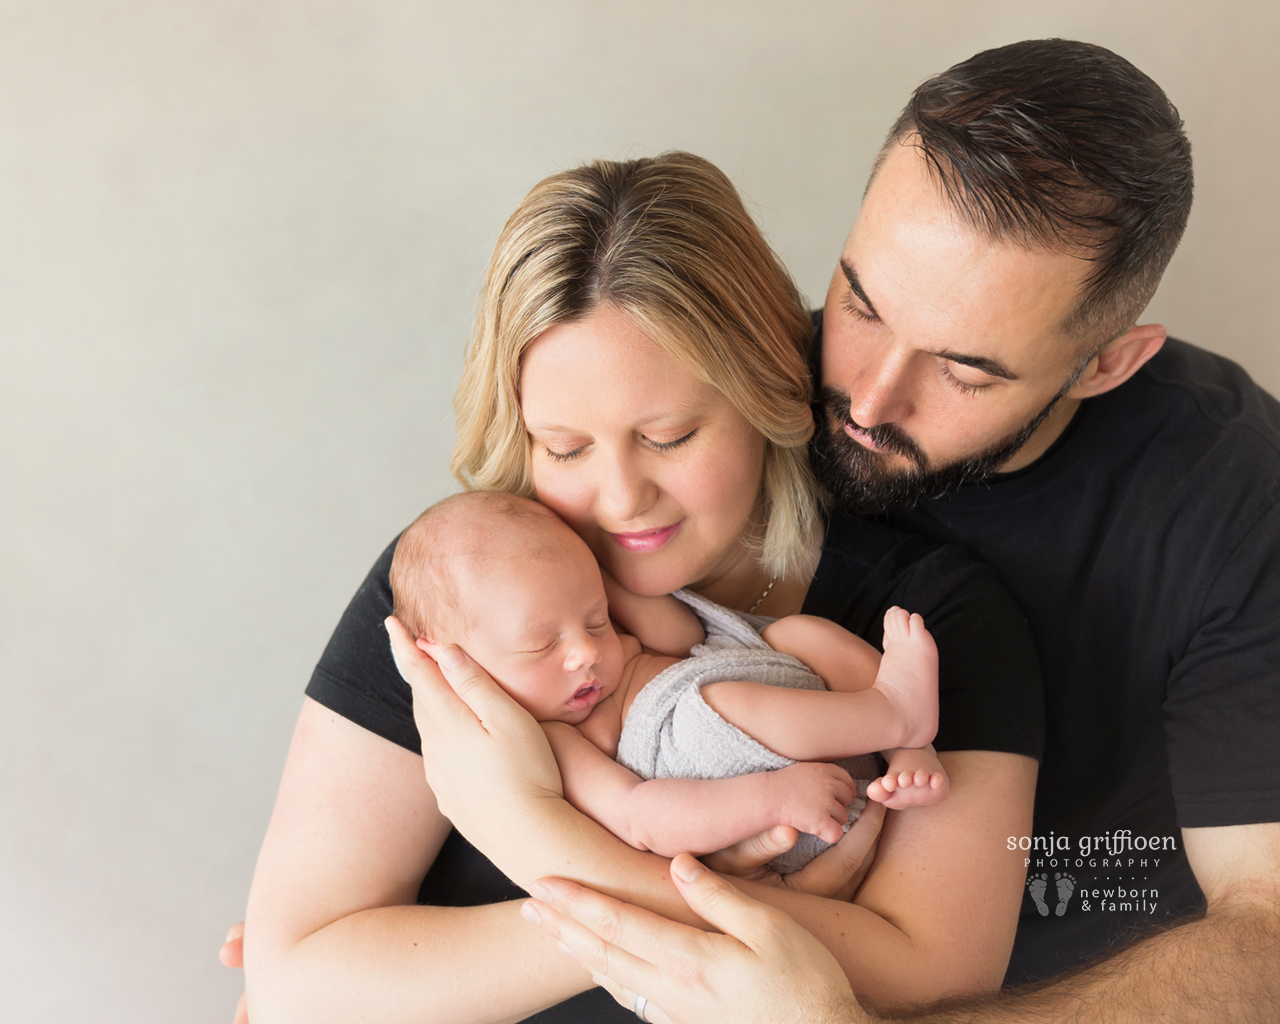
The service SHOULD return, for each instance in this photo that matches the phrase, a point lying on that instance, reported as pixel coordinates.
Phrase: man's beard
(860, 480)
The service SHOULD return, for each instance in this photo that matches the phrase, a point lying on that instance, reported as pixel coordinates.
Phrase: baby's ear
(429, 647)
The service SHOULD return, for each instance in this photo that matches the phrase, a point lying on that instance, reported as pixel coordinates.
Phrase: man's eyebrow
(993, 367)
(851, 276)
(988, 366)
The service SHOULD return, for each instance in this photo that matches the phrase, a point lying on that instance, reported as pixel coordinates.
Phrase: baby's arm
(671, 816)
(663, 624)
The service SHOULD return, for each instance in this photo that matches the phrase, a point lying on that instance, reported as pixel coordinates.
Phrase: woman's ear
(1118, 360)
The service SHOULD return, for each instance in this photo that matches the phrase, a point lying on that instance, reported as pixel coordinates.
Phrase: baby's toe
(897, 623)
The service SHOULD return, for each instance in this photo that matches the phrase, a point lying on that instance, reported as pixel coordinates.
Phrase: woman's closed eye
(656, 445)
(556, 456)
(668, 446)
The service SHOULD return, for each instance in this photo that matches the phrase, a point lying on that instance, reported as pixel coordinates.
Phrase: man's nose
(878, 393)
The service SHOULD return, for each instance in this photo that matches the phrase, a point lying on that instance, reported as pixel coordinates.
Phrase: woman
(638, 366)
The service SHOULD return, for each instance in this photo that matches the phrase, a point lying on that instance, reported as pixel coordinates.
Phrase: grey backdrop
(241, 241)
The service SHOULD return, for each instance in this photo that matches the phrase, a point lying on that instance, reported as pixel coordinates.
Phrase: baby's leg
(899, 710)
(915, 778)
(845, 661)
(908, 674)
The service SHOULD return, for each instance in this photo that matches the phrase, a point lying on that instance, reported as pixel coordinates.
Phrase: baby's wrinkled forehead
(464, 547)
(501, 534)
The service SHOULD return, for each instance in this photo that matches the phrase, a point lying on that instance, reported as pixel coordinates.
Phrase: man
(985, 381)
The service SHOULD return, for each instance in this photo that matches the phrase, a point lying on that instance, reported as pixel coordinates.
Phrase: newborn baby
(506, 580)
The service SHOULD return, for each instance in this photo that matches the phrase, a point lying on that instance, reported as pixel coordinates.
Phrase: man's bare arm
(1222, 967)
(766, 968)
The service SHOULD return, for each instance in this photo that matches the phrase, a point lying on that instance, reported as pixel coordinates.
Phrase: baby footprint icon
(1066, 886)
(1037, 885)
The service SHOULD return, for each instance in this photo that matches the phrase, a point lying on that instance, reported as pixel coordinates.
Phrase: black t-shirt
(989, 678)
(1144, 548)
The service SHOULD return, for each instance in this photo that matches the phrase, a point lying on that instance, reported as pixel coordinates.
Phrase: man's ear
(1118, 360)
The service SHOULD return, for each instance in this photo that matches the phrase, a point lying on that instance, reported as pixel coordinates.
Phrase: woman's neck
(743, 584)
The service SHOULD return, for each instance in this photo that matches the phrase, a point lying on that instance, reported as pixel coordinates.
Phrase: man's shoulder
(1207, 390)
(1191, 442)
(1193, 416)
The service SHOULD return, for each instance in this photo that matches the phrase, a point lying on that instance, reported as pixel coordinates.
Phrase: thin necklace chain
(760, 601)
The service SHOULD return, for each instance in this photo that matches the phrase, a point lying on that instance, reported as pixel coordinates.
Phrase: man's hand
(764, 968)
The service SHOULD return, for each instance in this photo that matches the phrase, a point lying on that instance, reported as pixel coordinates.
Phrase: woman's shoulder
(356, 675)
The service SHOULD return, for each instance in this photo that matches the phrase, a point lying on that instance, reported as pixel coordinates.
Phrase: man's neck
(1046, 434)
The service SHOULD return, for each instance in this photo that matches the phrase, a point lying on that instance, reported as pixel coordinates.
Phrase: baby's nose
(582, 654)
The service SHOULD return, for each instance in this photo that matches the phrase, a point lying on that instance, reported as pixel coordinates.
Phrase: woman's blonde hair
(666, 242)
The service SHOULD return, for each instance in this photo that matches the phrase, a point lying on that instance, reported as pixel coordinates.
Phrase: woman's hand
(835, 873)
(764, 968)
(232, 955)
(486, 759)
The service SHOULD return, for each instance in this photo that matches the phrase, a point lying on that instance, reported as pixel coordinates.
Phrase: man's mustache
(887, 437)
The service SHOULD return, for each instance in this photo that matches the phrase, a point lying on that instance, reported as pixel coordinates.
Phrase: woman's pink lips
(647, 540)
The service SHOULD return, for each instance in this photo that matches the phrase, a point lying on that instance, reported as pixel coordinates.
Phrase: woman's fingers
(836, 873)
(485, 758)
(232, 955)
(232, 952)
(748, 858)
(432, 692)
(444, 678)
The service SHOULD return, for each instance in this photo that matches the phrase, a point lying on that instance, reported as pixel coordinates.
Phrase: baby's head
(507, 581)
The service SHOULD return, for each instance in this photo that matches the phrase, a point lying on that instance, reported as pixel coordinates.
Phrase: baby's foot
(908, 676)
(915, 778)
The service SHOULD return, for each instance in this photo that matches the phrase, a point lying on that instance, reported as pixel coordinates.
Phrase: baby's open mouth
(584, 696)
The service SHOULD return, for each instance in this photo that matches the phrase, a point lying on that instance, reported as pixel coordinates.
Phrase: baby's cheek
(613, 660)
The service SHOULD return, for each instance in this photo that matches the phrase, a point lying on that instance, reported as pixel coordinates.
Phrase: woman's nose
(624, 490)
(583, 653)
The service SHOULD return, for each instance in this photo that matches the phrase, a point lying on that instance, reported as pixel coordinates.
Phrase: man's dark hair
(1067, 145)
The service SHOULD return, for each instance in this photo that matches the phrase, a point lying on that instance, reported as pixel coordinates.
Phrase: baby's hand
(813, 797)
